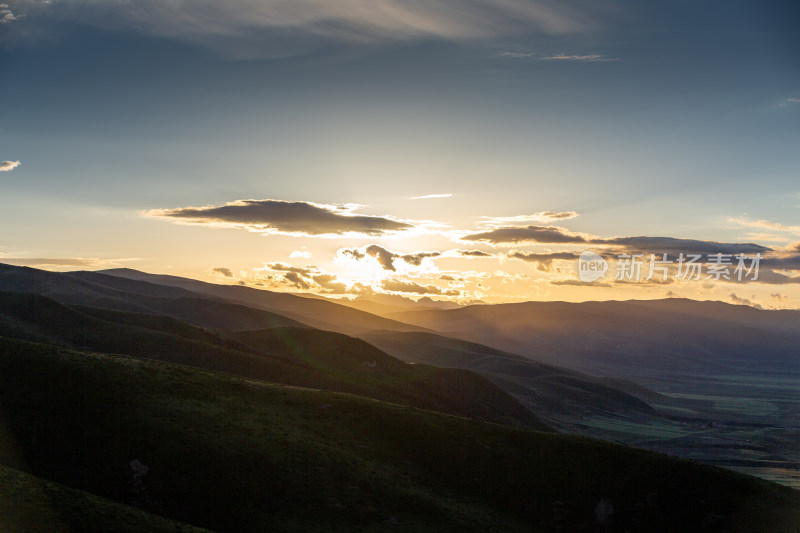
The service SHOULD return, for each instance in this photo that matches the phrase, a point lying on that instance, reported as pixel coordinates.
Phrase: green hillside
(237, 455)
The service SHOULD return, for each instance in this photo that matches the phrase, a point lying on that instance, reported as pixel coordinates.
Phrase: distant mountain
(231, 454)
(632, 338)
(557, 394)
(319, 313)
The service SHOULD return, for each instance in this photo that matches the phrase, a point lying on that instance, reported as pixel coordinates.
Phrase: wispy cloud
(590, 57)
(284, 27)
(62, 262)
(286, 218)
(541, 217)
(5, 166)
(428, 196)
(763, 224)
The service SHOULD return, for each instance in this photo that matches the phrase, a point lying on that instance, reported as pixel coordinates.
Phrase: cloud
(286, 218)
(275, 28)
(300, 254)
(763, 224)
(538, 234)
(385, 257)
(579, 283)
(416, 258)
(473, 253)
(428, 196)
(516, 55)
(592, 57)
(6, 17)
(791, 101)
(778, 296)
(542, 216)
(297, 280)
(6, 166)
(544, 261)
(394, 285)
(62, 262)
(744, 301)
(557, 235)
(223, 271)
(676, 245)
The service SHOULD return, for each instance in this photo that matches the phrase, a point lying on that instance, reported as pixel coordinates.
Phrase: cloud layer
(5, 166)
(289, 218)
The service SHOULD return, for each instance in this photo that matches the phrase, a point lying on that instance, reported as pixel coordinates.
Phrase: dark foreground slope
(236, 455)
(291, 355)
(29, 504)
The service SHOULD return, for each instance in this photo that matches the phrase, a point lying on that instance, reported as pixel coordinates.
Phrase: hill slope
(295, 356)
(236, 455)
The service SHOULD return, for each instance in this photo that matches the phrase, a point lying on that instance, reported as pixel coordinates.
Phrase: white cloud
(591, 57)
(8, 165)
(301, 254)
(427, 196)
(6, 16)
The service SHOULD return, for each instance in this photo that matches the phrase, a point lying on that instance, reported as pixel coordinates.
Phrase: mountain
(646, 339)
(557, 394)
(231, 454)
(116, 293)
(319, 313)
(291, 355)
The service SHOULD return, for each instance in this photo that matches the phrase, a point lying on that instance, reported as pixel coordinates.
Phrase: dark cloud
(514, 234)
(277, 216)
(416, 258)
(280, 267)
(385, 257)
(744, 301)
(447, 277)
(394, 285)
(676, 246)
(297, 280)
(473, 253)
(223, 271)
(580, 283)
(556, 235)
(329, 283)
(355, 254)
(544, 261)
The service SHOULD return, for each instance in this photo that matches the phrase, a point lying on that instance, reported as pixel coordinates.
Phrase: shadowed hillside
(237, 455)
(295, 356)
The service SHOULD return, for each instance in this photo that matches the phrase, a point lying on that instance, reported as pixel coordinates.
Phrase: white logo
(591, 266)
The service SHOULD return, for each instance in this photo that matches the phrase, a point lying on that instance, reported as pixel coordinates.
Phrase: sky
(460, 150)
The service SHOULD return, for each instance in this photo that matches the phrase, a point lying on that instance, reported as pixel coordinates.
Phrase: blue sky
(675, 120)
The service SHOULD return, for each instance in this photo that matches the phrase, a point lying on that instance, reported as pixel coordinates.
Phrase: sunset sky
(451, 149)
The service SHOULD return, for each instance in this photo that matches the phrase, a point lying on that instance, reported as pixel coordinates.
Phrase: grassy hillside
(237, 455)
(29, 504)
(295, 355)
